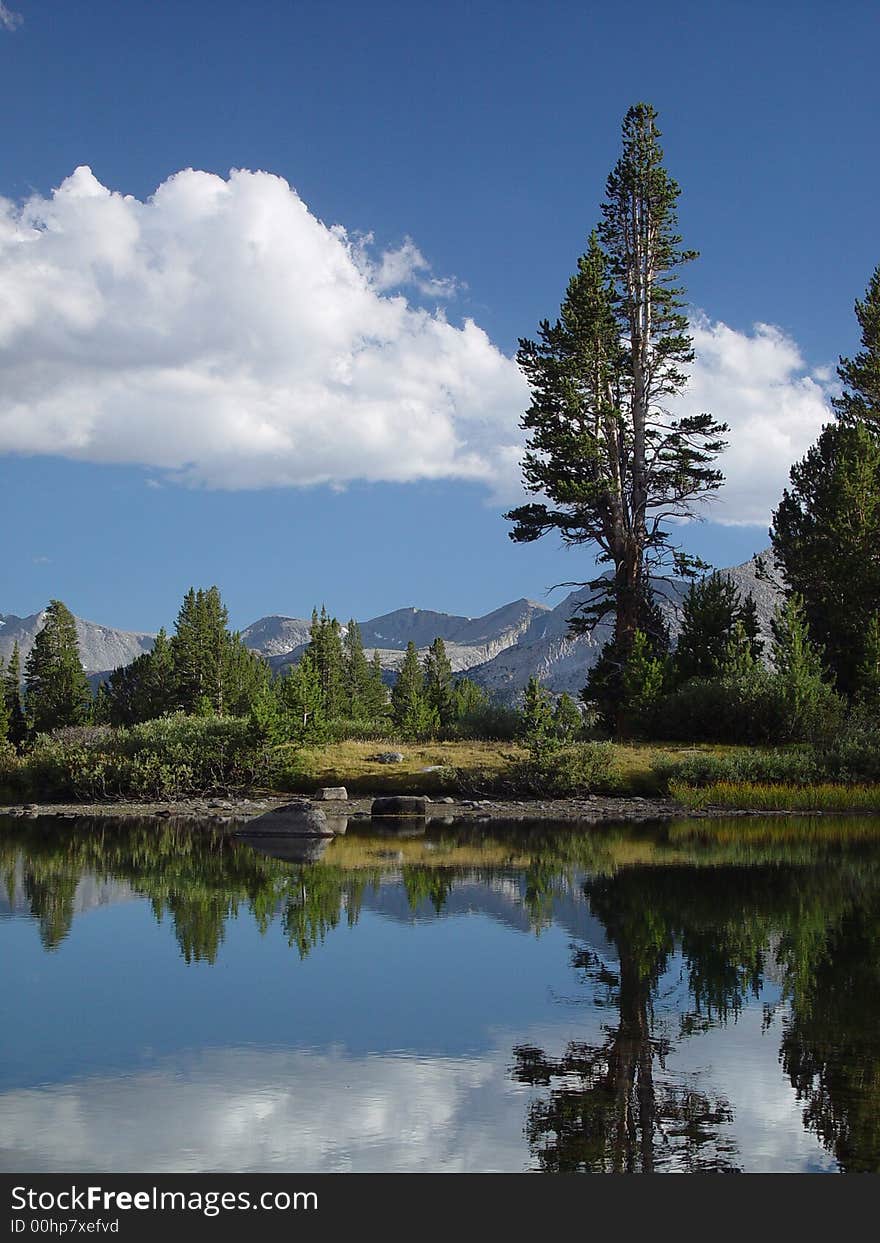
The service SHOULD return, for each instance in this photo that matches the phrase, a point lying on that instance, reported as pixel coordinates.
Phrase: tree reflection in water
(611, 1107)
(699, 917)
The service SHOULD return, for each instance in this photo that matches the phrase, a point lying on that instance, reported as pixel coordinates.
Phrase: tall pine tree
(355, 673)
(325, 649)
(809, 702)
(826, 536)
(143, 690)
(826, 530)
(437, 672)
(57, 691)
(301, 696)
(16, 729)
(376, 700)
(4, 711)
(714, 620)
(410, 710)
(603, 448)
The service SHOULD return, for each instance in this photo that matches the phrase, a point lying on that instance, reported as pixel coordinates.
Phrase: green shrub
(794, 766)
(585, 768)
(757, 707)
(853, 754)
(174, 757)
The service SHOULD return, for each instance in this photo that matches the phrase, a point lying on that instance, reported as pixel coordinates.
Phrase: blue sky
(146, 440)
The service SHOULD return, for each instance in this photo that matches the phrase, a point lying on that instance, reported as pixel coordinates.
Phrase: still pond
(693, 996)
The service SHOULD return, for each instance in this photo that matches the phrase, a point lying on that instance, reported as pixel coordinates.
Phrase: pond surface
(695, 996)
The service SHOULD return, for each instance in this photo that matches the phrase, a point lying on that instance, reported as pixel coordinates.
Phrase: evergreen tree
(568, 721)
(410, 710)
(198, 651)
(809, 702)
(100, 713)
(4, 711)
(537, 728)
(376, 696)
(159, 687)
(210, 669)
(825, 534)
(606, 688)
(740, 662)
(438, 683)
(468, 698)
(142, 690)
(56, 688)
(860, 400)
(245, 676)
(355, 673)
(325, 647)
(16, 729)
(602, 445)
(713, 617)
(644, 679)
(266, 716)
(302, 699)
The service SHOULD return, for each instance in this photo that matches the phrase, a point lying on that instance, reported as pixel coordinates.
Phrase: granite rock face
(100, 647)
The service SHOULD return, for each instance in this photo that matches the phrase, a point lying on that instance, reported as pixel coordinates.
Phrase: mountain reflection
(688, 924)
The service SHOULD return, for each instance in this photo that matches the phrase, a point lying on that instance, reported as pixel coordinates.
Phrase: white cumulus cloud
(759, 384)
(221, 334)
(219, 331)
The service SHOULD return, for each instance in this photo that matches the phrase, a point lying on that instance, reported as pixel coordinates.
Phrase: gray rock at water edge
(400, 805)
(337, 825)
(387, 757)
(297, 819)
(336, 794)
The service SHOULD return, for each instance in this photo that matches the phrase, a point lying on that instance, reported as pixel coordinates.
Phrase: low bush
(794, 766)
(853, 754)
(583, 768)
(174, 757)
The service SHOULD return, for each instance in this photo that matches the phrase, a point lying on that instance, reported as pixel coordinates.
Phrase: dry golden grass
(427, 767)
(349, 764)
(747, 796)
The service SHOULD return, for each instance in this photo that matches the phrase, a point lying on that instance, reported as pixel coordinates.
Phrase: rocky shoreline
(590, 809)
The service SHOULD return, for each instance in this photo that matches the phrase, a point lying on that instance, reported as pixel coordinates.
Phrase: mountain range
(500, 650)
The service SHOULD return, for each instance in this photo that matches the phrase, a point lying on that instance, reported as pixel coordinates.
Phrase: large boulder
(296, 819)
(400, 805)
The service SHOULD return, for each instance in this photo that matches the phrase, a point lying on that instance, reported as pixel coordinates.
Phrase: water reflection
(678, 937)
